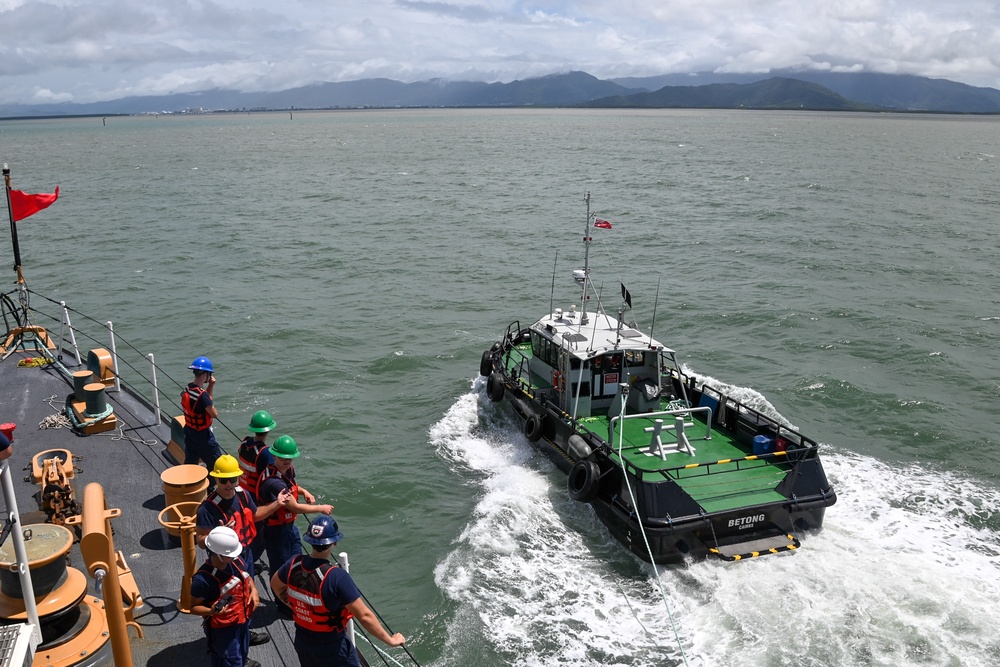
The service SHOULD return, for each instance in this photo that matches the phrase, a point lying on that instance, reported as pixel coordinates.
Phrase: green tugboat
(672, 466)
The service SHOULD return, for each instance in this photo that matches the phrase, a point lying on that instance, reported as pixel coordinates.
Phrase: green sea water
(345, 270)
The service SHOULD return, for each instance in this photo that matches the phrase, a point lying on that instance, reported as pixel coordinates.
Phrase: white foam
(906, 570)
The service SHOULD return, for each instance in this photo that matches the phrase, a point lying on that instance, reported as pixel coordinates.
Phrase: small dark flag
(22, 204)
(603, 224)
(627, 296)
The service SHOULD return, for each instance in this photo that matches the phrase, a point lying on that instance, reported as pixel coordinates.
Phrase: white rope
(642, 529)
(385, 656)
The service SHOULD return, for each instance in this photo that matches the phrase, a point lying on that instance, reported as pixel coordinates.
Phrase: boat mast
(586, 260)
(13, 227)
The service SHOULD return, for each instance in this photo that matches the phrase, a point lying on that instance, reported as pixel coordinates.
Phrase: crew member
(231, 506)
(254, 456)
(225, 595)
(281, 535)
(323, 598)
(6, 447)
(199, 411)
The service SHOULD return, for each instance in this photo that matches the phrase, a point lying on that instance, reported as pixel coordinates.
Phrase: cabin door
(606, 374)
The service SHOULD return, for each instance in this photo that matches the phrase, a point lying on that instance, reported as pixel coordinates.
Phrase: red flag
(603, 224)
(23, 204)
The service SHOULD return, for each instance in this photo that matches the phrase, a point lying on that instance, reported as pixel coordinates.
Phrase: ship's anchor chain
(59, 504)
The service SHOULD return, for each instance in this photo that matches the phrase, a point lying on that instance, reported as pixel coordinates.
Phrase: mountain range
(777, 90)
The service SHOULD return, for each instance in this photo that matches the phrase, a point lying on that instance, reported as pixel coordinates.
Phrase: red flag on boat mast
(603, 224)
(23, 204)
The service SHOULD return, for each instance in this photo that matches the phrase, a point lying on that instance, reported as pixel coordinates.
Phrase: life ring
(582, 481)
(494, 387)
(533, 427)
(558, 381)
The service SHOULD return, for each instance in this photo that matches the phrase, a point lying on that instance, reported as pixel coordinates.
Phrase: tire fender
(495, 388)
(533, 427)
(583, 481)
(486, 363)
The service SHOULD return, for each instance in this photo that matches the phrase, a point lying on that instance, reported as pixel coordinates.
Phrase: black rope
(388, 629)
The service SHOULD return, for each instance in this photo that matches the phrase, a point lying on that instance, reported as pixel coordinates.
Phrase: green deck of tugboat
(720, 476)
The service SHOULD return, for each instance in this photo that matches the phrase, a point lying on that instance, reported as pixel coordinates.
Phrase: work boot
(251, 663)
(258, 638)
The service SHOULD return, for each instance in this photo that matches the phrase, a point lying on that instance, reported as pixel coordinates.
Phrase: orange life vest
(283, 515)
(197, 421)
(242, 516)
(235, 613)
(248, 456)
(306, 599)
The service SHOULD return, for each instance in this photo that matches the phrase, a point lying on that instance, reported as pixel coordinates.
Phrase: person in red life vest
(323, 598)
(199, 411)
(254, 456)
(281, 535)
(225, 595)
(6, 447)
(231, 506)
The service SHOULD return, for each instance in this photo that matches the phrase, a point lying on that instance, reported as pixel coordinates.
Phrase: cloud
(90, 50)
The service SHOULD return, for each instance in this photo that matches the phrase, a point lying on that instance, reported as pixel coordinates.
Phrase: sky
(95, 50)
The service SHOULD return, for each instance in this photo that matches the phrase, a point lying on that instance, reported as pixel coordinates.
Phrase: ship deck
(719, 475)
(128, 463)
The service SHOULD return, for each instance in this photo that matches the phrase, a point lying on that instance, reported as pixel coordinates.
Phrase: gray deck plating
(127, 463)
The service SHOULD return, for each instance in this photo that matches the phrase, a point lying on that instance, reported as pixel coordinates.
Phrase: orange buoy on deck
(184, 484)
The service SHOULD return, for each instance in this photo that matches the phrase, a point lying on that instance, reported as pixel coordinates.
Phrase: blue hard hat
(202, 364)
(323, 532)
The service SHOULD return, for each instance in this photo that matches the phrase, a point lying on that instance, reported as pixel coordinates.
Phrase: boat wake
(905, 571)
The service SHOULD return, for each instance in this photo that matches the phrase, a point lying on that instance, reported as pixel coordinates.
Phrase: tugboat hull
(673, 467)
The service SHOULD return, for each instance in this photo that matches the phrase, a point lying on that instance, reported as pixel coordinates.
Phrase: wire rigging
(645, 538)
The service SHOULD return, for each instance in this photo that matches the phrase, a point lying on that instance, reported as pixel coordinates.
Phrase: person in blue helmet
(323, 598)
(199, 411)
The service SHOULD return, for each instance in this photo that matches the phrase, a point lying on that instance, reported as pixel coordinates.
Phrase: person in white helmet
(226, 597)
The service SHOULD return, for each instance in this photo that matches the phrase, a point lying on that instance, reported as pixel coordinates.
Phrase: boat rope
(55, 421)
(645, 538)
(382, 653)
(388, 629)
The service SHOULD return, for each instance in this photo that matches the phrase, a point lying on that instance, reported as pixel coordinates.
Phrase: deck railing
(132, 369)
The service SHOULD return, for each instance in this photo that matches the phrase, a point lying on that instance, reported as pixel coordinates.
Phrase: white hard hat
(224, 541)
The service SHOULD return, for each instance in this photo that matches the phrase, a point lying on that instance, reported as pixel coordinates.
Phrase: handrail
(145, 389)
(661, 413)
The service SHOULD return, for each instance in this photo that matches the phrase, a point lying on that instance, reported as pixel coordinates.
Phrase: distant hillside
(900, 92)
(774, 93)
(793, 90)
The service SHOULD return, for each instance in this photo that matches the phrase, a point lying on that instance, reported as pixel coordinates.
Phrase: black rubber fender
(486, 363)
(583, 481)
(533, 427)
(494, 387)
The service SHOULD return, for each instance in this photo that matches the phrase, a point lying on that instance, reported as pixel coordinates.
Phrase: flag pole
(13, 227)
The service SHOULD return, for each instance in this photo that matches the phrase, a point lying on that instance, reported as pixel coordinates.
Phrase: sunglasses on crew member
(226, 480)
